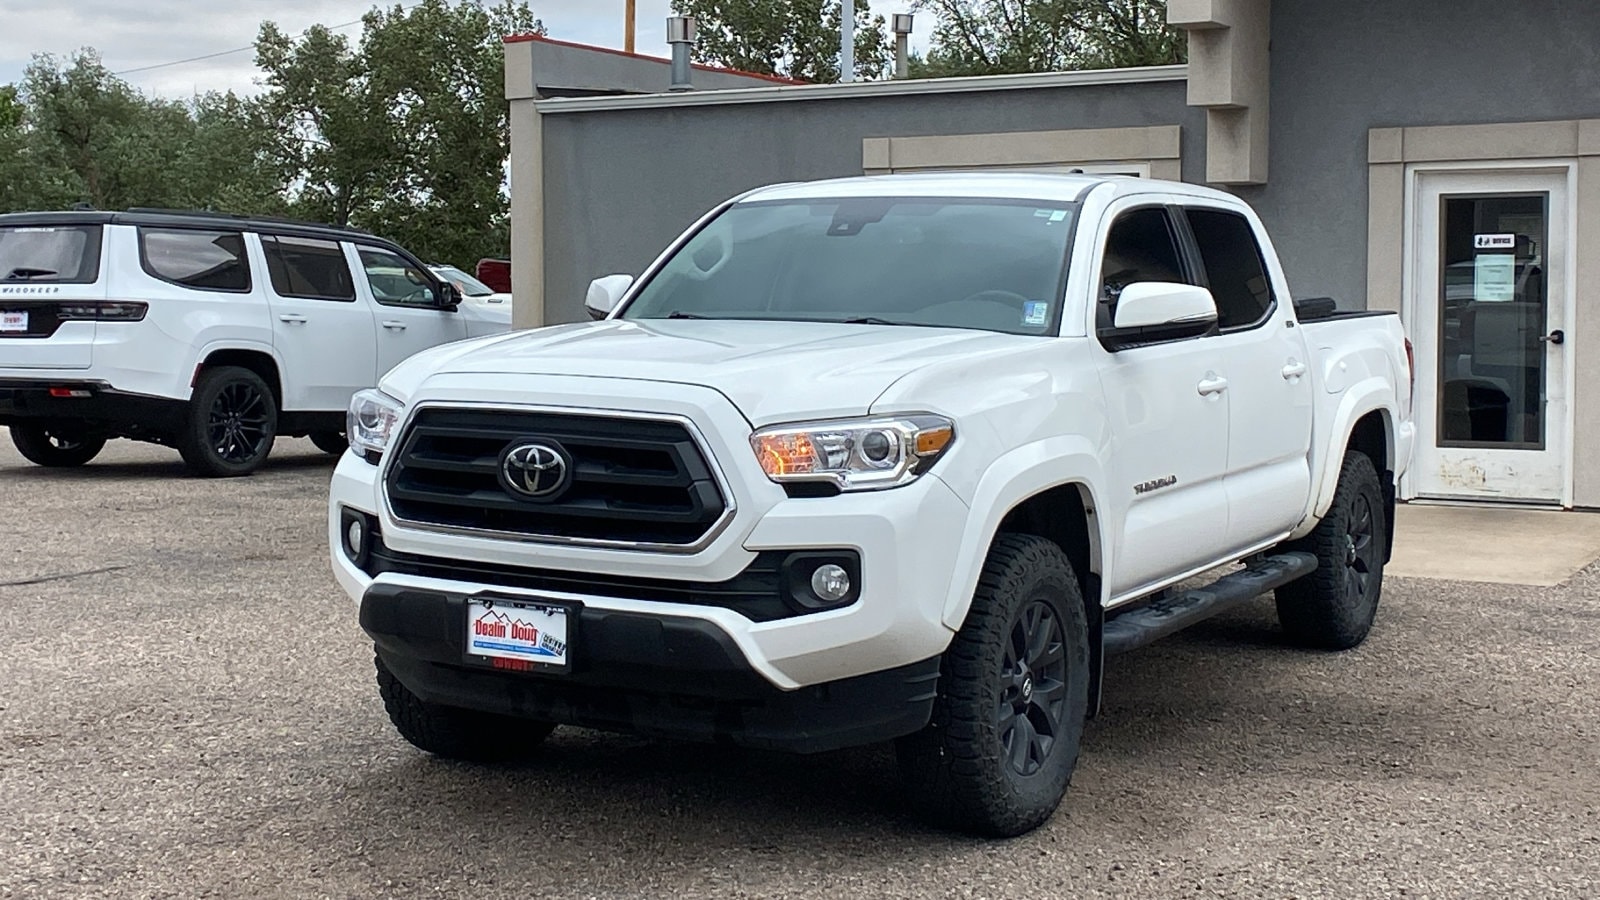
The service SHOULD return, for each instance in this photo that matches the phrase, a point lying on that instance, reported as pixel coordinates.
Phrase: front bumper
(663, 675)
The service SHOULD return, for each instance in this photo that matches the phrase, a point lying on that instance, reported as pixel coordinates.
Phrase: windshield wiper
(24, 273)
(679, 314)
(874, 320)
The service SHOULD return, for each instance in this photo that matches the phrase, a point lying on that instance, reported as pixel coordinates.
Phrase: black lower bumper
(93, 406)
(667, 676)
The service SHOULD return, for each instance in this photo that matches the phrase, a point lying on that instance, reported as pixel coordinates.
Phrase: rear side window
(203, 260)
(308, 268)
(1236, 272)
(50, 254)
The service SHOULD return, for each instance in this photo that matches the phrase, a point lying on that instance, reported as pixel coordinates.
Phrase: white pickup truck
(870, 459)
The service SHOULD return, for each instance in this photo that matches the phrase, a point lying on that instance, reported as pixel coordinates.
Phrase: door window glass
(1140, 247)
(1236, 272)
(395, 280)
(204, 260)
(1493, 306)
(308, 268)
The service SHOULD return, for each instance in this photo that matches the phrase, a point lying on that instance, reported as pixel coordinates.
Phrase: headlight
(370, 421)
(855, 454)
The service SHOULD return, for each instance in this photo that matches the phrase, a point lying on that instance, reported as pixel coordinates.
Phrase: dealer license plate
(13, 321)
(519, 631)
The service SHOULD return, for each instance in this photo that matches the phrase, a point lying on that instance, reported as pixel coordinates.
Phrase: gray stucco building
(1440, 158)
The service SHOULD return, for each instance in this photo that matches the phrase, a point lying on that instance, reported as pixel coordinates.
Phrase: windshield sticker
(1035, 312)
(1059, 215)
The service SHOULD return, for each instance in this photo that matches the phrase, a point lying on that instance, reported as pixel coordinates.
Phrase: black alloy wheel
(1034, 673)
(232, 422)
(238, 423)
(54, 446)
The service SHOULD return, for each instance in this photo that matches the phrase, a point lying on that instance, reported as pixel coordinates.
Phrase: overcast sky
(133, 34)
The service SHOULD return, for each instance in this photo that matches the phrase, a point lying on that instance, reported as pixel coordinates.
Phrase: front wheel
(455, 733)
(1333, 607)
(55, 447)
(999, 751)
(232, 422)
(331, 442)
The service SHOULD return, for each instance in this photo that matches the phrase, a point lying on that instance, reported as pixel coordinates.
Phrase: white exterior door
(1488, 310)
(321, 328)
(405, 300)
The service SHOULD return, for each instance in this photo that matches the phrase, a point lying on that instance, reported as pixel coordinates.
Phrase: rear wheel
(330, 441)
(56, 447)
(999, 752)
(232, 422)
(455, 733)
(1334, 606)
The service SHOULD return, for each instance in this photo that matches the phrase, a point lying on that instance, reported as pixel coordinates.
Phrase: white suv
(206, 332)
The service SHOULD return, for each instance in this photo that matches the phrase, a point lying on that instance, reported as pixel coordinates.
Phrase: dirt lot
(187, 709)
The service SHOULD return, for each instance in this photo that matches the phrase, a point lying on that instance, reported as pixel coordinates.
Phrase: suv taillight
(103, 310)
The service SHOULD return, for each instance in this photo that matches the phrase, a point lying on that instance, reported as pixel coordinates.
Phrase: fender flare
(1374, 394)
(210, 347)
(1013, 478)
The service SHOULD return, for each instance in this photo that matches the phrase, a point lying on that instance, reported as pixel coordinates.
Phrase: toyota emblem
(535, 470)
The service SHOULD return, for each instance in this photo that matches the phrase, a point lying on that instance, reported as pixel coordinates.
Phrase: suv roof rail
(240, 217)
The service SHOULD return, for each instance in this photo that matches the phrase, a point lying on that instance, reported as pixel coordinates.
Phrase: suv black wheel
(456, 733)
(998, 754)
(330, 441)
(1334, 606)
(232, 422)
(56, 447)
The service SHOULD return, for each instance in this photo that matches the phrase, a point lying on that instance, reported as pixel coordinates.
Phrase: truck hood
(772, 371)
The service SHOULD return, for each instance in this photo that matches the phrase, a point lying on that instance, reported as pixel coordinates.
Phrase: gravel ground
(187, 709)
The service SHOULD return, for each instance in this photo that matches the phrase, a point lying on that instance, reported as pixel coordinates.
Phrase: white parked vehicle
(209, 333)
(876, 458)
(475, 291)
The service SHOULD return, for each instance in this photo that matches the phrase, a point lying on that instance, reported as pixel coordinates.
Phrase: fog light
(357, 532)
(830, 583)
(355, 535)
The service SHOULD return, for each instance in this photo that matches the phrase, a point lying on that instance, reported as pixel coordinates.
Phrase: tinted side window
(309, 268)
(1235, 269)
(1140, 247)
(203, 260)
(395, 281)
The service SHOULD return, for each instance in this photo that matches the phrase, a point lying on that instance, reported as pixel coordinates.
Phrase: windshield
(59, 254)
(469, 286)
(995, 265)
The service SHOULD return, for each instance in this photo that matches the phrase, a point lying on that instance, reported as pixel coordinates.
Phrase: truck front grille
(628, 480)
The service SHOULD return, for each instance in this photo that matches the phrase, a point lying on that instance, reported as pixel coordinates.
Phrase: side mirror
(449, 295)
(1153, 311)
(605, 293)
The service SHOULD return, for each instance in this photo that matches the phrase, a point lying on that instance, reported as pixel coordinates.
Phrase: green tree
(404, 133)
(790, 38)
(994, 37)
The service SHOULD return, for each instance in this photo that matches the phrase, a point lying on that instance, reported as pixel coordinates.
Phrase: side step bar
(1160, 618)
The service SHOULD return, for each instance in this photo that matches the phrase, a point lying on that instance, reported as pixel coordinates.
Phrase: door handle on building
(1293, 370)
(392, 325)
(1555, 337)
(292, 319)
(1212, 385)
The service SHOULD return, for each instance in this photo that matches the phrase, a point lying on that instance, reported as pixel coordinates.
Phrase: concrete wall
(620, 184)
(1341, 68)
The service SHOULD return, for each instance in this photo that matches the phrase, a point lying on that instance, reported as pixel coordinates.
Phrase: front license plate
(517, 634)
(13, 321)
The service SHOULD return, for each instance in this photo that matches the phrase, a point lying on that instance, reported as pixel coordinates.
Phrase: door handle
(392, 325)
(292, 319)
(1212, 385)
(1555, 337)
(1293, 370)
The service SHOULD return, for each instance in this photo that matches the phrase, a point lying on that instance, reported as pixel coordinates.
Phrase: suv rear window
(309, 268)
(204, 260)
(53, 254)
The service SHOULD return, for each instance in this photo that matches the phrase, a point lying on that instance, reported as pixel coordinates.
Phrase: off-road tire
(455, 733)
(203, 440)
(56, 448)
(958, 770)
(1333, 607)
(330, 442)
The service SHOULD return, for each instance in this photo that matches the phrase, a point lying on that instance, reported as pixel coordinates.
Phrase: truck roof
(1011, 185)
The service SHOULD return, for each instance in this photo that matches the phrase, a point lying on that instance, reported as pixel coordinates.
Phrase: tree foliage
(995, 37)
(790, 38)
(401, 131)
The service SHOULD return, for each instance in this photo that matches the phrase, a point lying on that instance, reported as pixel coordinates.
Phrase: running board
(1162, 617)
